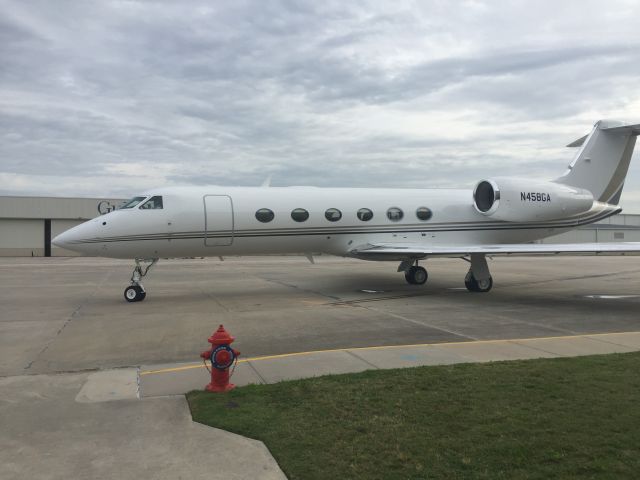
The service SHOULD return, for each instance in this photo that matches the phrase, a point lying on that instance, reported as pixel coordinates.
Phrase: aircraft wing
(390, 251)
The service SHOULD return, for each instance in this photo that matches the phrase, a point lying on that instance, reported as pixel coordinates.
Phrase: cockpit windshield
(132, 203)
(154, 203)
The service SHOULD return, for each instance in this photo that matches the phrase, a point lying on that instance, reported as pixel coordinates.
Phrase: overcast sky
(108, 98)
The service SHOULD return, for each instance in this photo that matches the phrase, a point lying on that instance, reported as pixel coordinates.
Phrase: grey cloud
(228, 93)
(332, 79)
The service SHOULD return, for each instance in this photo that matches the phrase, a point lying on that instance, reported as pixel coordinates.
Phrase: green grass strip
(568, 418)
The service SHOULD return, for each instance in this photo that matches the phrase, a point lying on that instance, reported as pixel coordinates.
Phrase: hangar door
(218, 220)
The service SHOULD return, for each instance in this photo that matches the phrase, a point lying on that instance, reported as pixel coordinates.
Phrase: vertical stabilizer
(601, 164)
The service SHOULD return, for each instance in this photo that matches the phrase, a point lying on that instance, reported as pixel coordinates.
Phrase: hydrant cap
(221, 337)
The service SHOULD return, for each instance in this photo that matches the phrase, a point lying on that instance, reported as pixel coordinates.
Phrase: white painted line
(611, 297)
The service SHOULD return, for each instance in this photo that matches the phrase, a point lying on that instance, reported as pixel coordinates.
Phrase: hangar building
(618, 228)
(27, 224)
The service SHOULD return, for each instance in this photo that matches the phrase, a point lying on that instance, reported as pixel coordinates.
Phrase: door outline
(218, 241)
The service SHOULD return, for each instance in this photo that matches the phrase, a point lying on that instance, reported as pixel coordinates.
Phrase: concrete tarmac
(68, 314)
(45, 434)
(71, 347)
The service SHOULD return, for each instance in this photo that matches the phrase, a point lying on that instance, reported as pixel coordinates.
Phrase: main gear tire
(479, 286)
(416, 275)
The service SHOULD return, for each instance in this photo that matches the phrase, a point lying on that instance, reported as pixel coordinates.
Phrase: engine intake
(485, 196)
(519, 199)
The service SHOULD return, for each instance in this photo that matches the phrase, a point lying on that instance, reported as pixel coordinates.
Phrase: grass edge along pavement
(546, 418)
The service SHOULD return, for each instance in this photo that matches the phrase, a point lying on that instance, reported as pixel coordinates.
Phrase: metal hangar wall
(27, 224)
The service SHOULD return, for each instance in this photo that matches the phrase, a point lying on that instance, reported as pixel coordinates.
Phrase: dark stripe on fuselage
(310, 231)
(355, 229)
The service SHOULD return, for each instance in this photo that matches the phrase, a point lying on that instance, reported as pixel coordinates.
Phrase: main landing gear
(135, 292)
(474, 285)
(416, 275)
(413, 274)
(478, 278)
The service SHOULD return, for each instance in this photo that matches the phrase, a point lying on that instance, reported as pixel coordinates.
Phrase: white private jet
(501, 216)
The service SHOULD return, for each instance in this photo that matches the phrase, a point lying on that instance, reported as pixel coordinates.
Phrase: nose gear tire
(134, 293)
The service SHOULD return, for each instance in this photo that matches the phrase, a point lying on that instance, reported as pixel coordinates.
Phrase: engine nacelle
(519, 199)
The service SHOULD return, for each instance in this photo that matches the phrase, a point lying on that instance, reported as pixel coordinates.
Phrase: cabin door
(218, 220)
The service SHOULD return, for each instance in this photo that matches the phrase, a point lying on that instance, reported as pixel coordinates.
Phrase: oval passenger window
(364, 214)
(333, 214)
(394, 214)
(423, 213)
(299, 214)
(264, 215)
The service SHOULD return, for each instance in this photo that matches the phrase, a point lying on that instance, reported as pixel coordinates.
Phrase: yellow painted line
(386, 347)
(175, 369)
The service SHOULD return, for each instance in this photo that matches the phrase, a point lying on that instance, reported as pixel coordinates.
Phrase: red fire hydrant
(222, 357)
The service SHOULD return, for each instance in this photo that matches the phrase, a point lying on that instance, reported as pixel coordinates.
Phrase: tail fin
(601, 164)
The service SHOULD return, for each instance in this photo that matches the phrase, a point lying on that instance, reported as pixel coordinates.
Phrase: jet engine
(523, 200)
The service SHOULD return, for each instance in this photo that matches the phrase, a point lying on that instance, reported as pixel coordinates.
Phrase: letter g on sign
(104, 207)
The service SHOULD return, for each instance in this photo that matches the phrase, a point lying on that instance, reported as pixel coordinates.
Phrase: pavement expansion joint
(574, 278)
(362, 359)
(377, 299)
(598, 338)
(531, 347)
(418, 322)
(138, 394)
(296, 287)
(262, 379)
(67, 321)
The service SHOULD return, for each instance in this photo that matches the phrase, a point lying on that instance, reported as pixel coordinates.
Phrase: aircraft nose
(86, 237)
(69, 239)
(64, 239)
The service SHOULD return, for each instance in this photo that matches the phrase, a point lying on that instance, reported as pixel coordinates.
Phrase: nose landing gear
(136, 292)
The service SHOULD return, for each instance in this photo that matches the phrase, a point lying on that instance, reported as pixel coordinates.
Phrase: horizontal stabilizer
(632, 129)
(393, 251)
(578, 142)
